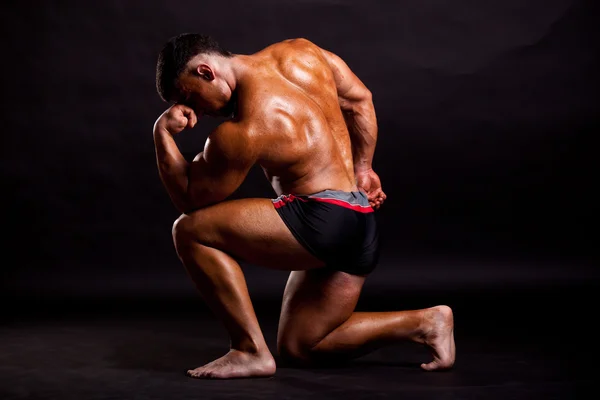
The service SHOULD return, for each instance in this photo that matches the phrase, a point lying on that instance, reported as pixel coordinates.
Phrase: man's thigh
(249, 230)
(316, 302)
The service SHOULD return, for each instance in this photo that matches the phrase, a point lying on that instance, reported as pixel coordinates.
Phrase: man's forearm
(172, 168)
(362, 126)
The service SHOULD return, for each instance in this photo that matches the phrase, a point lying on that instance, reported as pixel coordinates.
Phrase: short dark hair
(175, 55)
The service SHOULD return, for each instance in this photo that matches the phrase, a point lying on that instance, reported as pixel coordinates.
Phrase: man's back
(291, 104)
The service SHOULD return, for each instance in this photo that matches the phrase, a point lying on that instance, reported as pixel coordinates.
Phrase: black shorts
(337, 227)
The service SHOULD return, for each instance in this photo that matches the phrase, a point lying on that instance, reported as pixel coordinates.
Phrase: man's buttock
(337, 227)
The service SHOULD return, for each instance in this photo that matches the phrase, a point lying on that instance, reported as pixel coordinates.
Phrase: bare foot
(237, 364)
(438, 334)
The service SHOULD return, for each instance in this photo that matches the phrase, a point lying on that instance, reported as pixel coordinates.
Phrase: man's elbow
(367, 96)
(191, 204)
(190, 207)
(182, 204)
(359, 106)
(186, 203)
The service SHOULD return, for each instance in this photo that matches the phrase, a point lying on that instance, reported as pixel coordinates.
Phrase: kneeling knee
(295, 351)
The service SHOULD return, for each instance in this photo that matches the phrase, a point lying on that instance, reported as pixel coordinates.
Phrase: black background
(487, 112)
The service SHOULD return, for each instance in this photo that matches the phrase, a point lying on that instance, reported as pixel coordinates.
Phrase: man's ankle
(249, 345)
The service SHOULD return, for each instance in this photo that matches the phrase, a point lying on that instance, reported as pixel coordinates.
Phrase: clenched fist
(176, 118)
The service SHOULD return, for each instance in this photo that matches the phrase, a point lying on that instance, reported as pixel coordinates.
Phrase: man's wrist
(160, 128)
(361, 168)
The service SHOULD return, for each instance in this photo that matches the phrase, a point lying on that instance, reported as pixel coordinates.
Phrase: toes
(202, 373)
(432, 366)
(197, 373)
(191, 373)
(436, 366)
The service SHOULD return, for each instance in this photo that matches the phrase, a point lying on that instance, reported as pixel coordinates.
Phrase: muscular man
(300, 113)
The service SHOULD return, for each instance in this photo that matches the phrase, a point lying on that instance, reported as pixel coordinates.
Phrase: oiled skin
(296, 103)
(302, 130)
(290, 111)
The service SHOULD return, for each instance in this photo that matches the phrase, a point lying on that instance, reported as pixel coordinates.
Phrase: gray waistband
(355, 198)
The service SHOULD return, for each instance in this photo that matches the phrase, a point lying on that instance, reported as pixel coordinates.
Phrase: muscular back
(291, 104)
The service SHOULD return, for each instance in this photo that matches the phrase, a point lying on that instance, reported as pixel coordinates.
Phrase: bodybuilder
(299, 112)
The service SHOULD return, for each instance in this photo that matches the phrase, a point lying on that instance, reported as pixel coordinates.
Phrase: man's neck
(236, 71)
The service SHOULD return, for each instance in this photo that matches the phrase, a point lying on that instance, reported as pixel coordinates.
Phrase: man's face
(204, 93)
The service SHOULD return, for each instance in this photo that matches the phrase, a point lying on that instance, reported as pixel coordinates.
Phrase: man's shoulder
(271, 114)
(293, 45)
(264, 106)
(238, 132)
(232, 129)
(232, 139)
(299, 41)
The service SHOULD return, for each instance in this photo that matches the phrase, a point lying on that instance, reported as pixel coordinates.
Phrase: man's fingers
(192, 120)
(375, 194)
(189, 115)
(377, 200)
(375, 204)
(188, 112)
(184, 109)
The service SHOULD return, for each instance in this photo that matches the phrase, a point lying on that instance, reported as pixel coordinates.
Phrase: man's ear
(205, 72)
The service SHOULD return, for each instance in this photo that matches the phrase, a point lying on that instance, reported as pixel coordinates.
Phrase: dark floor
(512, 343)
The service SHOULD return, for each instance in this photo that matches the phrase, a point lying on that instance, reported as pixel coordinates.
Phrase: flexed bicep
(221, 168)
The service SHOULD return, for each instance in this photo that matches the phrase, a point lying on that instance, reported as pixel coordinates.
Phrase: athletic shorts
(337, 227)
